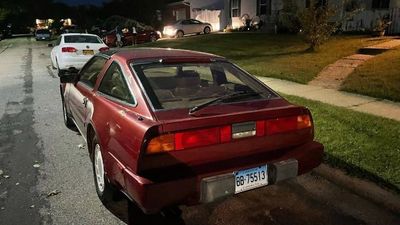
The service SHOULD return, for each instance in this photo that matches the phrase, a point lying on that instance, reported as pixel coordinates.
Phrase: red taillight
(217, 135)
(190, 139)
(103, 49)
(68, 49)
(286, 124)
(225, 134)
(260, 128)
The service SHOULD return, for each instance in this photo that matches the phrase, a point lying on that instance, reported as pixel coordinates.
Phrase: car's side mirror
(69, 76)
(50, 45)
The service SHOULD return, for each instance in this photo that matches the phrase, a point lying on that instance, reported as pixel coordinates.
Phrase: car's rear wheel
(207, 30)
(153, 38)
(105, 190)
(179, 34)
(67, 119)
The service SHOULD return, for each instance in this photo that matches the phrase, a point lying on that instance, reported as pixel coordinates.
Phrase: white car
(74, 50)
(183, 27)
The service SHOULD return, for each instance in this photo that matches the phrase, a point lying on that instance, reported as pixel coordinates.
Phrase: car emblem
(87, 46)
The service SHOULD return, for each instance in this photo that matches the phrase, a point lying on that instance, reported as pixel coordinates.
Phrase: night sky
(83, 2)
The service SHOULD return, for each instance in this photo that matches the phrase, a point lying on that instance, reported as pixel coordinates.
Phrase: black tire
(67, 119)
(104, 189)
(60, 72)
(207, 30)
(179, 34)
(153, 38)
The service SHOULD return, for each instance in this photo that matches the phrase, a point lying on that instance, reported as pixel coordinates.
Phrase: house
(176, 11)
(229, 13)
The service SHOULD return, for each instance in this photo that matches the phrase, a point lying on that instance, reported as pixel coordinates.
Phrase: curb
(5, 48)
(363, 188)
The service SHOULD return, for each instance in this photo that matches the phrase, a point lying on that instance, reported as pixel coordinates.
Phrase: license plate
(250, 178)
(88, 52)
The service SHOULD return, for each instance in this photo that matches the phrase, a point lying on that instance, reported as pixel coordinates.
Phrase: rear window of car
(82, 39)
(185, 85)
(42, 32)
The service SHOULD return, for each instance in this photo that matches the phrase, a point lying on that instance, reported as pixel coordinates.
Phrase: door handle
(85, 100)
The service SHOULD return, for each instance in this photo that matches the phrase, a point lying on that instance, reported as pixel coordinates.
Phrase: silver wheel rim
(207, 30)
(99, 168)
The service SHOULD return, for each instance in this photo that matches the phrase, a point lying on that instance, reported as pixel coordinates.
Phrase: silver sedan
(189, 26)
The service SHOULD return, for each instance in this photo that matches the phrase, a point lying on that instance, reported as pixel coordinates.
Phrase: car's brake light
(286, 124)
(68, 49)
(217, 135)
(103, 49)
(196, 138)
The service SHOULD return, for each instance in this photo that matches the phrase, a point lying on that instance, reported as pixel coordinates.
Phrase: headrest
(187, 79)
(188, 73)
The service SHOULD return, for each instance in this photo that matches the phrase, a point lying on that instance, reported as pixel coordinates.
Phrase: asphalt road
(47, 177)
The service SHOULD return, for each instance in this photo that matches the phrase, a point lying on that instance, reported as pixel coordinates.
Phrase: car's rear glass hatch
(82, 39)
(197, 85)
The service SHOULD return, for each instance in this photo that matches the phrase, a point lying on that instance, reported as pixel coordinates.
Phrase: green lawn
(365, 146)
(281, 56)
(378, 77)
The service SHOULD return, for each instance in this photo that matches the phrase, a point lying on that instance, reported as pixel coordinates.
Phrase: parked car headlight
(159, 34)
(169, 31)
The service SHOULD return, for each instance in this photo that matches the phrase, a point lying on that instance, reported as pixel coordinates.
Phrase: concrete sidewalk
(333, 75)
(378, 107)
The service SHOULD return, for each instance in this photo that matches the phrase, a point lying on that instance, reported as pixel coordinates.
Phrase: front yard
(280, 56)
(363, 145)
(378, 77)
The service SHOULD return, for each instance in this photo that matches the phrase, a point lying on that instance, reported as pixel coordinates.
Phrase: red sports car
(129, 38)
(170, 127)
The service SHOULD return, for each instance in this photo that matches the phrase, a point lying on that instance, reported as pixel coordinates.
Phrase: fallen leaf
(36, 165)
(17, 183)
(54, 192)
(6, 176)
(1, 172)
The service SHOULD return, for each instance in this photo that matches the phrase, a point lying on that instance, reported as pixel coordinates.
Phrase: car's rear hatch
(220, 138)
(86, 49)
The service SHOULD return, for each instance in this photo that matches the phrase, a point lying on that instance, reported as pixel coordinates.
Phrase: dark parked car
(43, 35)
(129, 38)
(169, 127)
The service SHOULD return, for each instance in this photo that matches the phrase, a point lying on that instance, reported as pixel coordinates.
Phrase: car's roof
(159, 53)
(85, 34)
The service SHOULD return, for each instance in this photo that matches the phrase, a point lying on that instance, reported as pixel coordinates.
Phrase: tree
(316, 23)
(3, 14)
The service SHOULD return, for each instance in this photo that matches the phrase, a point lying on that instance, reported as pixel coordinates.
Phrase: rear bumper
(202, 188)
(77, 62)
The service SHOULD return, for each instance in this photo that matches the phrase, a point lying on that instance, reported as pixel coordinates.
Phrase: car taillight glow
(103, 49)
(223, 134)
(68, 49)
(163, 143)
(286, 124)
(190, 139)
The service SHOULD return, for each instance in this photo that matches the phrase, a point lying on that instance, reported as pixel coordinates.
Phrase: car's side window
(89, 73)
(114, 85)
(195, 21)
(186, 22)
